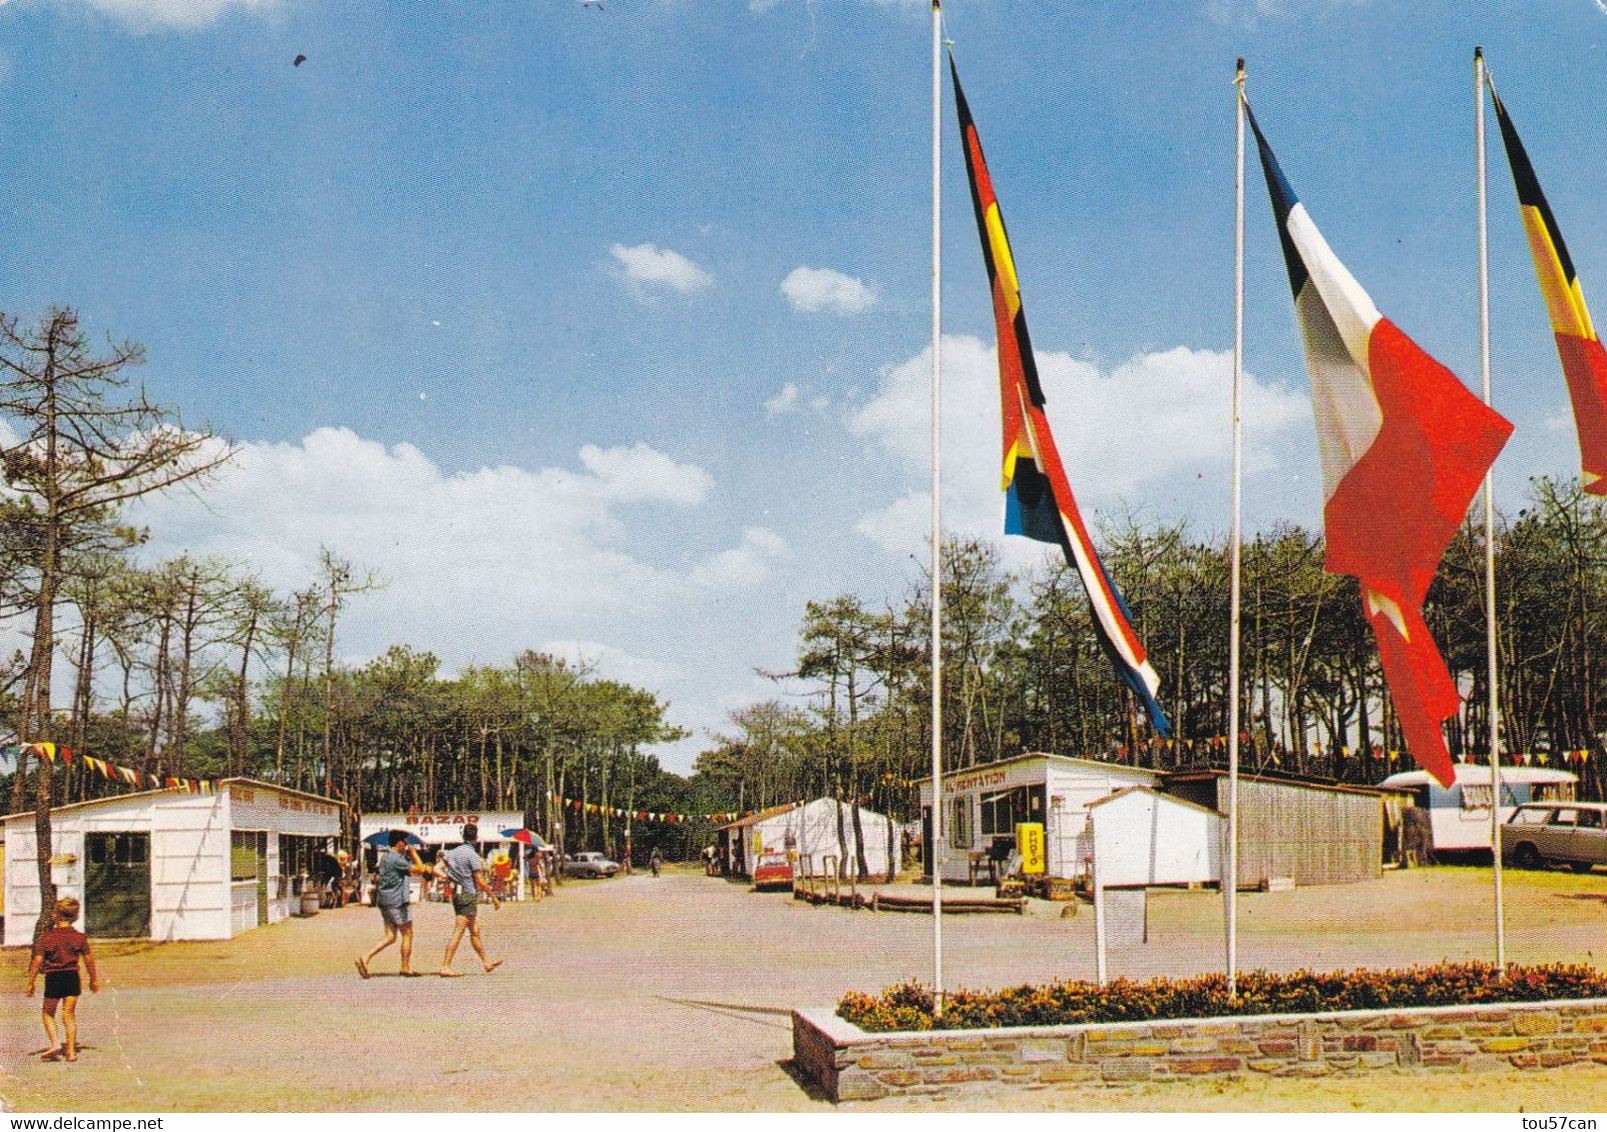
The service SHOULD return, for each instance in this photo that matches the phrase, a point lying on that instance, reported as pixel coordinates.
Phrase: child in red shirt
(56, 953)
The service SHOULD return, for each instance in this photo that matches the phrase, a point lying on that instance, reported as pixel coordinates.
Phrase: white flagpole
(1230, 867)
(1494, 711)
(936, 848)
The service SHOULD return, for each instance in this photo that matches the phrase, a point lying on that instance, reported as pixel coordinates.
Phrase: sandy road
(673, 994)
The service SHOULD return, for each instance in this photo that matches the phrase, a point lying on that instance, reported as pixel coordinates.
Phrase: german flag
(1584, 364)
(1038, 499)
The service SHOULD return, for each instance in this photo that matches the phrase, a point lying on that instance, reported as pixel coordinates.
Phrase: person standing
(466, 870)
(391, 896)
(57, 953)
(656, 860)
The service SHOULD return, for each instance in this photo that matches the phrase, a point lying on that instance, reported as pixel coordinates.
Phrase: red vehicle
(772, 870)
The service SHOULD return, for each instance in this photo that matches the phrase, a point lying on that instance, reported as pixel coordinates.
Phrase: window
(1537, 815)
(1563, 815)
(960, 822)
(1002, 811)
(1475, 797)
(1589, 819)
(245, 847)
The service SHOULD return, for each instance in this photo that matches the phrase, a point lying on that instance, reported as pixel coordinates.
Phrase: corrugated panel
(1314, 836)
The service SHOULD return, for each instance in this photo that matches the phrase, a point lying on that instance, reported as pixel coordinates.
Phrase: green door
(117, 884)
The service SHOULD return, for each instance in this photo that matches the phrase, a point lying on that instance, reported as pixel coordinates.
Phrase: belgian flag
(1584, 363)
(1038, 499)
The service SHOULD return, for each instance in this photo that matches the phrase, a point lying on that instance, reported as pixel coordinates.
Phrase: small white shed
(813, 836)
(1141, 837)
(167, 865)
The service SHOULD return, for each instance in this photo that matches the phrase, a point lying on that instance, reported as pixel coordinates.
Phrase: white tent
(818, 837)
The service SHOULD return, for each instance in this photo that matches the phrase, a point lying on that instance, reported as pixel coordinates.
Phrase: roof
(111, 798)
(1101, 764)
(1197, 774)
(1471, 774)
(258, 784)
(762, 815)
(1169, 799)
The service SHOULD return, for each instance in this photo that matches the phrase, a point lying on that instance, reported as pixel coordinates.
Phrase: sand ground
(674, 993)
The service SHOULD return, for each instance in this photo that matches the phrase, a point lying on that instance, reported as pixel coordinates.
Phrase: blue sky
(601, 329)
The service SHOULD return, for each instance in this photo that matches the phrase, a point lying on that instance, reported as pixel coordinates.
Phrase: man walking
(391, 897)
(466, 871)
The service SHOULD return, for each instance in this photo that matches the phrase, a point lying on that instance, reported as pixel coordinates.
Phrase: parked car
(590, 865)
(1546, 833)
(772, 870)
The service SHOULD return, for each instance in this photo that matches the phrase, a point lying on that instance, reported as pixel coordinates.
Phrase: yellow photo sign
(1030, 844)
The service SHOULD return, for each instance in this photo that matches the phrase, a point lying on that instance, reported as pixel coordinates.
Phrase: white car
(1545, 833)
(589, 864)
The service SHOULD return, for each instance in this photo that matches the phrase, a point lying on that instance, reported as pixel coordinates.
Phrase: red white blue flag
(1403, 447)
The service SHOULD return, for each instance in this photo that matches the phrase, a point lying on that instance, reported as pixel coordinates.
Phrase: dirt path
(673, 994)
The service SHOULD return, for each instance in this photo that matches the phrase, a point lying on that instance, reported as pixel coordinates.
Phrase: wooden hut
(1296, 829)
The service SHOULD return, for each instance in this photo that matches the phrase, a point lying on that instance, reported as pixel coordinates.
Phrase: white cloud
(649, 264)
(488, 560)
(744, 565)
(181, 15)
(1147, 428)
(632, 475)
(813, 289)
(784, 402)
(612, 663)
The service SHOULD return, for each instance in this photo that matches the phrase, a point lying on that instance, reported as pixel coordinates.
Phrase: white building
(818, 837)
(1142, 838)
(168, 865)
(982, 805)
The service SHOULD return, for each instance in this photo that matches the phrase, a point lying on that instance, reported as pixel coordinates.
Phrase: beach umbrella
(382, 840)
(525, 836)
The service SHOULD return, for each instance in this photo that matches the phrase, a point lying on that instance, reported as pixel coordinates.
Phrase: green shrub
(908, 1006)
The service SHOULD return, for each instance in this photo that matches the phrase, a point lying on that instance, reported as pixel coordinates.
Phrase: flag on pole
(1584, 363)
(1038, 499)
(1403, 447)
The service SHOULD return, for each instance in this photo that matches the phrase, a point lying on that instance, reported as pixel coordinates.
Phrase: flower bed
(908, 1007)
(850, 1064)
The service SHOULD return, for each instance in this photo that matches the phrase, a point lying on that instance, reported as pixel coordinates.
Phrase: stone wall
(850, 1064)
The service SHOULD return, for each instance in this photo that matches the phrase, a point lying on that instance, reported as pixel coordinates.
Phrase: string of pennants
(113, 773)
(1576, 759)
(646, 815)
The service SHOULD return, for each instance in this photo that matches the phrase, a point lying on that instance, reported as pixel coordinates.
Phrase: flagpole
(1494, 710)
(1230, 867)
(937, 510)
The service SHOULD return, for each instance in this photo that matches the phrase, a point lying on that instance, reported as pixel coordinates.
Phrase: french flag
(1403, 447)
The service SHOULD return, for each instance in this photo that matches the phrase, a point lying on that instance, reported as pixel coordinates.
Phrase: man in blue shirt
(391, 897)
(466, 871)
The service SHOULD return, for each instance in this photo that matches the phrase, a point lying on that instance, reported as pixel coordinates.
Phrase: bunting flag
(1403, 447)
(1038, 499)
(110, 772)
(582, 806)
(1584, 363)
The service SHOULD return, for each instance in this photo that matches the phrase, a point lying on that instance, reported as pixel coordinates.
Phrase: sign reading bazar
(442, 827)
